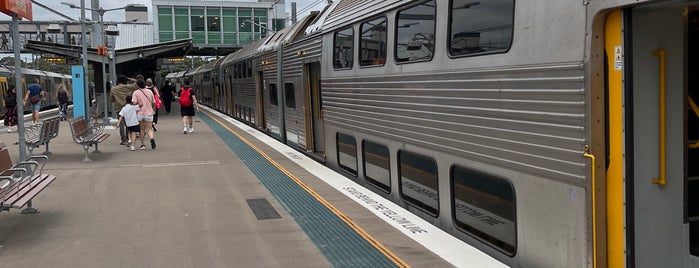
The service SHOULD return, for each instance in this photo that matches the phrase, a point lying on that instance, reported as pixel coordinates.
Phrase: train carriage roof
(316, 25)
(297, 31)
(346, 12)
(275, 40)
(228, 60)
(247, 51)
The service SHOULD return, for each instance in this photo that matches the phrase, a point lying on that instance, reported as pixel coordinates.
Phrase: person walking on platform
(35, 93)
(118, 95)
(62, 96)
(188, 102)
(156, 98)
(128, 117)
(145, 100)
(168, 93)
(11, 108)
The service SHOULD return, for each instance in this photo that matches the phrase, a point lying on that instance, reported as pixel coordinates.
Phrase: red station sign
(23, 8)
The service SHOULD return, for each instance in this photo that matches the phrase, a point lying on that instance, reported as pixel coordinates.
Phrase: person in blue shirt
(35, 93)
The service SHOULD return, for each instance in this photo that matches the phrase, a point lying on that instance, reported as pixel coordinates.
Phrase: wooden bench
(41, 134)
(87, 136)
(20, 183)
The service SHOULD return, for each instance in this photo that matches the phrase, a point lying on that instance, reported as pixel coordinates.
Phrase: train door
(313, 109)
(260, 106)
(652, 190)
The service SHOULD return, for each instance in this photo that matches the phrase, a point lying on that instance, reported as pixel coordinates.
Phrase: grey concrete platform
(180, 205)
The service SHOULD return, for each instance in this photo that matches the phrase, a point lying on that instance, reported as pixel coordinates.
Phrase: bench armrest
(36, 160)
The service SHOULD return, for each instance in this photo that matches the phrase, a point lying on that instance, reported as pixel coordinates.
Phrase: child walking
(129, 117)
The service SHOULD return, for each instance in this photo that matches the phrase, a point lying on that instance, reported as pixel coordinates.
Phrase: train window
(377, 165)
(372, 46)
(415, 32)
(419, 183)
(484, 206)
(290, 96)
(273, 99)
(343, 49)
(347, 153)
(480, 27)
(248, 67)
(197, 19)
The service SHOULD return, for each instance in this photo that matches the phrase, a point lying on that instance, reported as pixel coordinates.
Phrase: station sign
(23, 8)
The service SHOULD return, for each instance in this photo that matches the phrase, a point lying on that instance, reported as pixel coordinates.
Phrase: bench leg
(29, 209)
(31, 150)
(97, 150)
(47, 149)
(87, 159)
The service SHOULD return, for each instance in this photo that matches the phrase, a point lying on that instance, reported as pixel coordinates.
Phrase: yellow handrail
(695, 108)
(594, 205)
(661, 181)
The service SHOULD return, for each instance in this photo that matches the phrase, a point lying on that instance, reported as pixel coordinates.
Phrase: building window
(197, 20)
(290, 95)
(480, 27)
(377, 165)
(484, 206)
(419, 183)
(347, 153)
(372, 46)
(273, 98)
(415, 32)
(343, 49)
(230, 26)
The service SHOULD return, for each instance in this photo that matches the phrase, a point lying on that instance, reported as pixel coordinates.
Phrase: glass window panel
(377, 165)
(273, 98)
(480, 27)
(290, 95)
(230, 38)
(347, 152)
(181, 23)
(181, 11)
(245, 38)
(213, 23)
(372, 47)
(245, 25)
(484, 206)
(343, 52)
(415, 33)
(197, 23)
(165, 23)
(229, 12)
(165, 36)
(210, 11)
(164, 10)
(245, 12)
(198, 38)
(419, 182)
(230, 24)
(181, 35)
(197, 11)
(214, 38)
(260, 12)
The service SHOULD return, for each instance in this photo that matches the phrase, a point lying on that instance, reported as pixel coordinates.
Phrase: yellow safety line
(364, 234)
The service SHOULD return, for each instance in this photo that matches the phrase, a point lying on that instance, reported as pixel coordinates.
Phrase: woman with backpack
(11, 107)
(188, 102)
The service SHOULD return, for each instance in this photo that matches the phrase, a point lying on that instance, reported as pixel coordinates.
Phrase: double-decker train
(50, 81)
(543, 133)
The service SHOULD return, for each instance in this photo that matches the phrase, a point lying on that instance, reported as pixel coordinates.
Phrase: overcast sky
(41, 14)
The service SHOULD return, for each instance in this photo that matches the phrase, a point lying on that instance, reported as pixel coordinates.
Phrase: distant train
(48, 80)
(543, 133)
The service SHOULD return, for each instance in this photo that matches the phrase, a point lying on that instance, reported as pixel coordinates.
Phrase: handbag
(158, 103)
(34, 99)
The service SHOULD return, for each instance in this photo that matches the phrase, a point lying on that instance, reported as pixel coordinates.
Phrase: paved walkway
(180, 205)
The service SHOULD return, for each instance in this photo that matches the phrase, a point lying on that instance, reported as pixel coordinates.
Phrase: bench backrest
(5, 159)
(78, 127)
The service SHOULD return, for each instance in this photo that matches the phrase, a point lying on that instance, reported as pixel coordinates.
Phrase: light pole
(101, 12)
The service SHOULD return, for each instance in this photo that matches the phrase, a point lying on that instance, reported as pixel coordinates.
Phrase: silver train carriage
(545, 134)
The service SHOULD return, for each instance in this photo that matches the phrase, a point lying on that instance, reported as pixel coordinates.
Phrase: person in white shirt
(130, 118)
